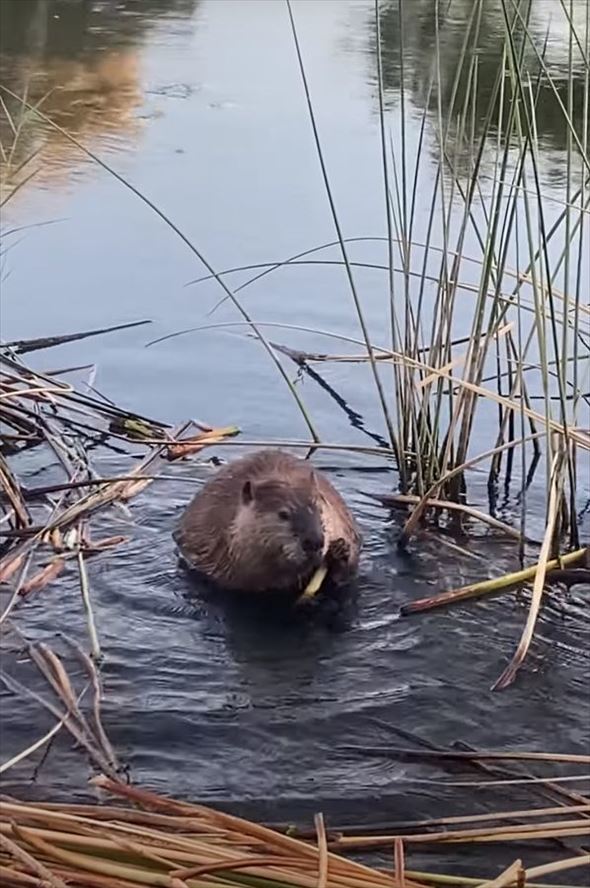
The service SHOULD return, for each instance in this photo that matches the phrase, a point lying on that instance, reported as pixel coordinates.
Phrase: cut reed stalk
(172, 844)
(496, 586)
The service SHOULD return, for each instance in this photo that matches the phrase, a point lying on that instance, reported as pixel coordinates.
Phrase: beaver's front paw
(338, 551)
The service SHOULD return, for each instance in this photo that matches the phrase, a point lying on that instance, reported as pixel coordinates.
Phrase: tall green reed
(527, 340)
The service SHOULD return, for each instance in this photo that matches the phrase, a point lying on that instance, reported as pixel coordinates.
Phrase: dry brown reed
(147, 839)
(47, 530)
(43, 411)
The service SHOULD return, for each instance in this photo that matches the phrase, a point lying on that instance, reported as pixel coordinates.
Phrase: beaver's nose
(313, 543)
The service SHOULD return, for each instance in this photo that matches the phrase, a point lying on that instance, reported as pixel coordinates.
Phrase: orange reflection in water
(96, 100)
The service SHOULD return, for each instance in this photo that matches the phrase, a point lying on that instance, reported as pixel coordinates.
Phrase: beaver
(265, 523)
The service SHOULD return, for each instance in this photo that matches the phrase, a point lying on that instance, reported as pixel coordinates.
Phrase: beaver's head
(280, 521)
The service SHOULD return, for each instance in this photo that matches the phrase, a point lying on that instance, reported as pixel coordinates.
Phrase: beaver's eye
(283, 515)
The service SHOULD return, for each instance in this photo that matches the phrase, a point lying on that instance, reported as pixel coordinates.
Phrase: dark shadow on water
(356, 419)
(62, 28)
(332, 610)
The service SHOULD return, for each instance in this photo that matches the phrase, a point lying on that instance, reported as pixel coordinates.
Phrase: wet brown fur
(232, 531)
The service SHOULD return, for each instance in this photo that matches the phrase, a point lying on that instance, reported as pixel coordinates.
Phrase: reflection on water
(471, 43)
(80, 62)
(90, 99)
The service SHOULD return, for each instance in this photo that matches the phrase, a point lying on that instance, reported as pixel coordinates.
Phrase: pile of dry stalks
(42, 528)
(156, 841)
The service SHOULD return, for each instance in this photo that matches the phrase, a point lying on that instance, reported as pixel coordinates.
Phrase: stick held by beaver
(267, 522)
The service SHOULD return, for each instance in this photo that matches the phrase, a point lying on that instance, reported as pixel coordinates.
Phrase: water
(199, 105)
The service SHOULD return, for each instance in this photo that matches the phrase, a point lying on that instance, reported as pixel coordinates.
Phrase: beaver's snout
(313, 543)
(307, 524)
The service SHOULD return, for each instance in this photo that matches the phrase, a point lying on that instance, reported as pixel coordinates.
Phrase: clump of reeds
(157, 841)
(508, 327)
(45, 527)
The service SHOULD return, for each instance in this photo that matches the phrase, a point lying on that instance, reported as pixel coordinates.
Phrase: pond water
(199, 104)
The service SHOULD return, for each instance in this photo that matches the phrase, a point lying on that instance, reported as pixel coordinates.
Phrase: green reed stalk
(341, 241)
(401, 456)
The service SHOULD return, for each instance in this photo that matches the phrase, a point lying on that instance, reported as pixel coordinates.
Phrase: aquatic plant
(152, 840)
(487, 332)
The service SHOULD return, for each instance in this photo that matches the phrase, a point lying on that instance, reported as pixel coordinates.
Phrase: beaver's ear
(247, 492)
